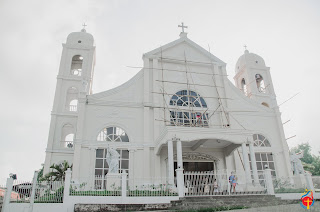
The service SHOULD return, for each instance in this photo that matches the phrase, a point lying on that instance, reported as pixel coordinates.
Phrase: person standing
(233, 182)
(215, 186)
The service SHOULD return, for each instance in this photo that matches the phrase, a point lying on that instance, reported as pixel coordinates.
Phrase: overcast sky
(285, 33)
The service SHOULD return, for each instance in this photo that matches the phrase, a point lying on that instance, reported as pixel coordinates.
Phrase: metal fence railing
(49, 192)
(96, 186)
(210, 183)
(45, 192)
(205, 183)
(112, 186)
(150, 187)
(21, 191)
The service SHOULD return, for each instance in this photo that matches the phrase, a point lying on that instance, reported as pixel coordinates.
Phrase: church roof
(183, 38)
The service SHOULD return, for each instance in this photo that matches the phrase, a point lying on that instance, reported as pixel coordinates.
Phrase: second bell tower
(254, 80)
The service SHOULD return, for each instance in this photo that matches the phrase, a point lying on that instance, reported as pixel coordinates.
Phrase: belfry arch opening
(260, 83)
(73, 106)
(244, 87)
(67, 136)
(72, 99)
(76, 65)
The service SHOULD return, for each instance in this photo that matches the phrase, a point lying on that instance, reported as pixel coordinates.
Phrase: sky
(285, 33)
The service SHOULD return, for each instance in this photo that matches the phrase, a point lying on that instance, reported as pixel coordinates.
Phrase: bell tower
(74, 83)
(254, 80)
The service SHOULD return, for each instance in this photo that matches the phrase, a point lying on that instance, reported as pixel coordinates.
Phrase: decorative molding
(196, 156)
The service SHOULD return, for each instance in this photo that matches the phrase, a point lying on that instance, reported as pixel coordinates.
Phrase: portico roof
(193, 135)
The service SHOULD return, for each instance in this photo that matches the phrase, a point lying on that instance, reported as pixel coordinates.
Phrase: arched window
(187, 108)
(260, 83)
(76, 65)
(67, 136)
(263, 159)
(260, 141)
(73, 105)
(110, 134)
(244, 87)
(113, 134)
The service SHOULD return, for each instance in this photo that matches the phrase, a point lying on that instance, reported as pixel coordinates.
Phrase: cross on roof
(182, 26)
(84, 25)
(245, 46)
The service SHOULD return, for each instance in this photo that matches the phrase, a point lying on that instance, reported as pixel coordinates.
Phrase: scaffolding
(186, 107)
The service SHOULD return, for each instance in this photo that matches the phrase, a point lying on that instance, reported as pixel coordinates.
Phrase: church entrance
(197, 166)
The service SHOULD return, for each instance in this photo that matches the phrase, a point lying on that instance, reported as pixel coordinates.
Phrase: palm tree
(58, 171)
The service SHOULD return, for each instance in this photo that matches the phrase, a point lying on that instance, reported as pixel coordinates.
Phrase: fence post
(124, 183)
(7, 196)
(268, 181)
(33, 191)
(309, 182)
(66, 189)
(180, 182)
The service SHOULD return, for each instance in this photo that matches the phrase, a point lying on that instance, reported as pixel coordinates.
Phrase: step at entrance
(250, 201)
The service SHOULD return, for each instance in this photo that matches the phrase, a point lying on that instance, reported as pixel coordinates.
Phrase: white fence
(96, 186)
(112, 186)
(210, 183)
(21, 191)
(120, 190)
(150, 187)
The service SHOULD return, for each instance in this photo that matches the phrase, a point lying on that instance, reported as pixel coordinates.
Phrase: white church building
(179, 114)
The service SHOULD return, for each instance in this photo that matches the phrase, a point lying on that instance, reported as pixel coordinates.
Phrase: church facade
(180, 113)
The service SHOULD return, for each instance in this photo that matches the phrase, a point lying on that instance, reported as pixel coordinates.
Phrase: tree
(40, 175)
(310, 162)
(58, 171)
(306, 149)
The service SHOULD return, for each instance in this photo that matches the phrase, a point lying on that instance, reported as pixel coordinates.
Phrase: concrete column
(92, 166)
(33, 191)
(157, 164)
(131, 162)
(254, 164)
(179, 154)
(66, 189)
(246, 163)
(7, 196)
(76, 160)
(170, 163)
(268, 181)
(131, 168)
(147, 162)
(124, 183)
(179, 170)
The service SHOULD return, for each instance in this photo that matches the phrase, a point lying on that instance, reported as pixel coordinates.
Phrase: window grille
(260, 141)
(187, 108)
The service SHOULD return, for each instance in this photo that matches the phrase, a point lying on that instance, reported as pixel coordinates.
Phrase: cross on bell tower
(84, 27)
